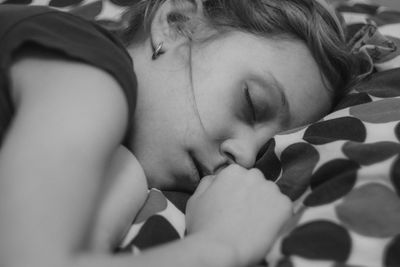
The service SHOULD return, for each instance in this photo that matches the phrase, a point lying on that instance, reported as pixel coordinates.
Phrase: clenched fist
(238, 208)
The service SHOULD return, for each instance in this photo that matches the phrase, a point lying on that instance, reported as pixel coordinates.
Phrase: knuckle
(285, 200)
(235, 167)
(256, 173)
(272, 186)
(228, 169)
(233, 170)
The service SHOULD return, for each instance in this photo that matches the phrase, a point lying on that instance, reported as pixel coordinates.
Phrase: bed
(342, 172)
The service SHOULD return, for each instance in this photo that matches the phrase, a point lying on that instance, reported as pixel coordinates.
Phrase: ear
(172, 23)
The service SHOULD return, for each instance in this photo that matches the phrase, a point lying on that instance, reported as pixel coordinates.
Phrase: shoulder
(70, 36)
(87, 95)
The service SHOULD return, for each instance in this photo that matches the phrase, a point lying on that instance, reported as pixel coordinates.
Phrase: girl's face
(197, 114)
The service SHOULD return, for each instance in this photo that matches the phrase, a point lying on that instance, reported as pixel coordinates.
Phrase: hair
(309, 21)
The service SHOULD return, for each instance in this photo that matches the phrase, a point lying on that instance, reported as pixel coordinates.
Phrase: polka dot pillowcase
(343, 172)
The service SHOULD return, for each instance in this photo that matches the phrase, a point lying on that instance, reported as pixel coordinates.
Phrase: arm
(54, 156)
(52, 164)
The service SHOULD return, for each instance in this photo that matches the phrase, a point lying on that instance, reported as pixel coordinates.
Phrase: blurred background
(395, 4)
(389, 3)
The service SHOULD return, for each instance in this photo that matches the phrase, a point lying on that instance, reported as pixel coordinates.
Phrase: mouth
(200, 168)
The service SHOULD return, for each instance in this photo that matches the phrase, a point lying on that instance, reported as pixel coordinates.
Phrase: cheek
(216, 109)
(152, 138)
(215, 89)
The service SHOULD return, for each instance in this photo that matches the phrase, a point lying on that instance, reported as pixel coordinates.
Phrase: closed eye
(250, 104)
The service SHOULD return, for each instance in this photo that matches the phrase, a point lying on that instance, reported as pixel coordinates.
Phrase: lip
(200, 168)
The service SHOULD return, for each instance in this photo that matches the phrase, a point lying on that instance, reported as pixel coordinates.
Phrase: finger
(205, 183)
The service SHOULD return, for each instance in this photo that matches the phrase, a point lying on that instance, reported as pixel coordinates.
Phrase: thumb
(205, 183)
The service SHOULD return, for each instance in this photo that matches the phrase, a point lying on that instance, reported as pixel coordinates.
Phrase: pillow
(342, 172)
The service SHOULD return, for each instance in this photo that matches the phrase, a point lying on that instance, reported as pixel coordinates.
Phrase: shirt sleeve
(69, 35)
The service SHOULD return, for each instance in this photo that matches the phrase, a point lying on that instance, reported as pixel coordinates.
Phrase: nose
(240, 151)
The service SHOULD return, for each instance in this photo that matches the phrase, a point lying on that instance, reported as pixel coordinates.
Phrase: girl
(85, 131)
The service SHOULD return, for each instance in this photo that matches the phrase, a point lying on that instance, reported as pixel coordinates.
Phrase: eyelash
(250, 103)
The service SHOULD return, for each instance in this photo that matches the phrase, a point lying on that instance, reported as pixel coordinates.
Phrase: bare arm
(54, 156)
(52, 165)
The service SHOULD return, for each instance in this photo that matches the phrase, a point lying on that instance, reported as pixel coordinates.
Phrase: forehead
(285, 64)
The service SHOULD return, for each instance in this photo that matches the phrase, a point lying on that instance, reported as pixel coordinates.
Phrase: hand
(238, 208)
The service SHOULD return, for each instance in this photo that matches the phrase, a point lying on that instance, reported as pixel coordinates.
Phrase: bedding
(342, 172)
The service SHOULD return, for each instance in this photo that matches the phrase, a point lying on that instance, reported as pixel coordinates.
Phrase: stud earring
(157, 51)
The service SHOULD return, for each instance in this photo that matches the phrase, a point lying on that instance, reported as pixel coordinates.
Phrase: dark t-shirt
(66, 34)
